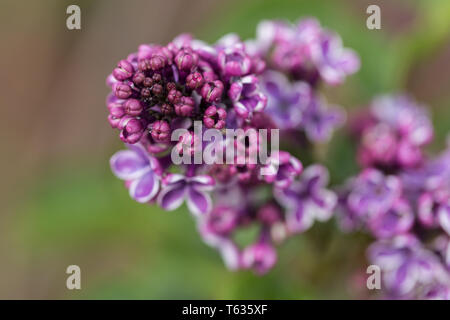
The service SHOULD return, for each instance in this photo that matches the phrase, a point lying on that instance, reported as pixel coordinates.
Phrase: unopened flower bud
(122, 91)
(214, 117)
(157, 62)
(157, 89)
(186, 59)
(148, 82)
(116, 109)
(146, 92)
(132, 129)
(174, 96)
(144, 65)
(156, 77)
(212, 91)
(138, 78)
(160, 131)
(184, 110)
(133, 107)
(194, 80)
(123, 71)
(167, 109)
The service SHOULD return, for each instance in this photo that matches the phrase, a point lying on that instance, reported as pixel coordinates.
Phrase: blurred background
(61, 205)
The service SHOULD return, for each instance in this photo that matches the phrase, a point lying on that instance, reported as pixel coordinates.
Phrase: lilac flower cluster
(267, 83)
(301, 57)
(402, 197)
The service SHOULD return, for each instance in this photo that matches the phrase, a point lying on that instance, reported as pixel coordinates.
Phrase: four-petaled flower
(307, 199)
(176, 188)
(140, 170)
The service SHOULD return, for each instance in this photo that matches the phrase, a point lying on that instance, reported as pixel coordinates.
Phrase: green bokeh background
(70, 209)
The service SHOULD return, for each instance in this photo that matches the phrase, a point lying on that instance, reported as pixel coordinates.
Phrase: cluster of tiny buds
(158, 84)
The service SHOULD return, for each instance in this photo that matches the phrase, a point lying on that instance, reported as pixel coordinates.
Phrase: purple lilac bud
(185, 107)
(157, 62)
(133, 107)
(160, 130)
(122, 91)
(194, 80)
(212, 91)
(214, 117)
(123, 71)
(132, 129)
(174, 96)
(186, 59)
(116, 108)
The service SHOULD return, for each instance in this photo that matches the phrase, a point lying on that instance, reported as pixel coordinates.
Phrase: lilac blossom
(407, 267)
(269, 83)
(395, 137)
(319, 120)
(306, 51)
(286, 101)
(282, 169)
(307, 200)
(138, 168)
(397, 220)
(372, 192)
(247, 97)
(177, 188)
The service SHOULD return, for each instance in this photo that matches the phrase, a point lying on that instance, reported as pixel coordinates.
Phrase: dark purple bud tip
(133, 107)
(212, 91)
(156, 77)
(122, 91)
(157, 89)
(123, 71)
(194, 80)
(146, 92)
(160, 131)
(171, 86)
(167, 109)
(148, 82)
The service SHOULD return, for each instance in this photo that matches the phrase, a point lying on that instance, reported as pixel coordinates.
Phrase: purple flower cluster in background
(402, 197)
(271, 82)
(300, 57)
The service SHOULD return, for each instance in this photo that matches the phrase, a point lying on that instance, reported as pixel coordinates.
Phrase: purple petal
(171, 198)
(301, 218)
(198, 202)
(128, 165)
(145, 188)
(202, 182)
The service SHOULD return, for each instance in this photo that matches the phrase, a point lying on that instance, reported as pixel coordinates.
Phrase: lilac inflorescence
(401, 197)
(271, 82)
